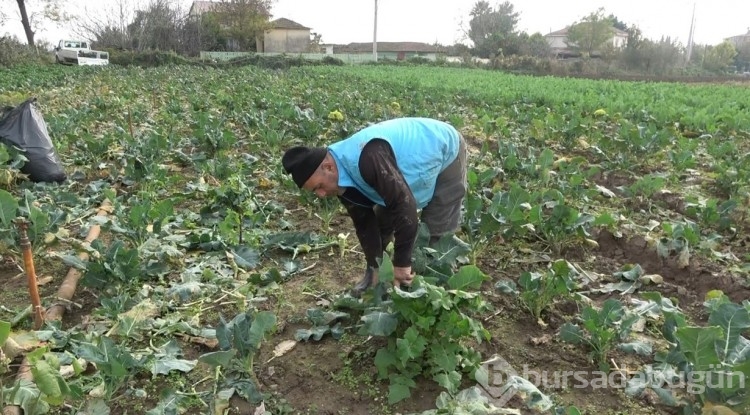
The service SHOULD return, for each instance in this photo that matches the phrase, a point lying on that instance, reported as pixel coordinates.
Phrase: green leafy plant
(732, 180)
(239, 342)
(538, 291)
(114, 362)
(480, 226)
(4, 360)
(712, 213)
(427, 330)
(600, 329)
(707, 365)
(679, 238)
(717, 357)
(111, 265)
(629, 279)
(233, 196)
(559, 225)
(439, 260)
(45, 369)
(324, 322)
(646, 186)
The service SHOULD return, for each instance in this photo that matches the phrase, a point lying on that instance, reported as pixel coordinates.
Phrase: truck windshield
(74, 44)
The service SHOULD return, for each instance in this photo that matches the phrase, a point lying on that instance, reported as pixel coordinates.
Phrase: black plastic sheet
(24, 127)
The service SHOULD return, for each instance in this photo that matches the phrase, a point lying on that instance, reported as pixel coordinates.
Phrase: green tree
(492, 29)
(742, 60)
(718, 58)
(536, 45)
(659, 58)
(591, 34)
(635, 37)
(244, 20)
(617, 23)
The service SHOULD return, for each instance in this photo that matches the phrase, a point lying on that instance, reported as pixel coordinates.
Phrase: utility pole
(690, 39)
(375, 34)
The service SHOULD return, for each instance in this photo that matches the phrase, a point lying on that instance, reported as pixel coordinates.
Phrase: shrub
(330, 60)
(13, 53)
(149, 58)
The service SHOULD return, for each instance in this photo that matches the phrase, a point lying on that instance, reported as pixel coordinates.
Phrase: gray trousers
(442, 215)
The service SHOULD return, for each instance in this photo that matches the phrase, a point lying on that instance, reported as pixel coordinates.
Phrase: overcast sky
(344, 21)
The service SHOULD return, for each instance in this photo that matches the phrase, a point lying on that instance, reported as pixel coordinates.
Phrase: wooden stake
(66, 292)
(28, 265)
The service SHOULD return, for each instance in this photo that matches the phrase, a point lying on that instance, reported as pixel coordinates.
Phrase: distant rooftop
(564, 32)
(284, 23)
(357, 47)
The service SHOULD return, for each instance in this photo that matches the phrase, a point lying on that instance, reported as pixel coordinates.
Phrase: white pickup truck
(78, 52)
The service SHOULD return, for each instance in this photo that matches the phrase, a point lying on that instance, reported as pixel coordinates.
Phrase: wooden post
(375, 34)
(28, 265)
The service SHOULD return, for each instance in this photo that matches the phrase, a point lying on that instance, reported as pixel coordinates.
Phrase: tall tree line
(159, 25)
(493, 33)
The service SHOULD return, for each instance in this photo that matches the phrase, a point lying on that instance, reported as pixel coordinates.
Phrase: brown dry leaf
(44, 280)
(49, 237)
(264, 183)
(683, 260)
(711, 409)
(27, 340)
(210, 343)
(582, 143)
(543, 339)
(652, 278)
(282, 348)
(144, 310)
(106, 208)
(68, 371)
(261, 409)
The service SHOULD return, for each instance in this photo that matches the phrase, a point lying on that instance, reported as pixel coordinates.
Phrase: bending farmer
(383, 175)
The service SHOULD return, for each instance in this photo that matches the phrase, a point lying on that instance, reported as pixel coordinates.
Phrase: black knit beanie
(302, 162)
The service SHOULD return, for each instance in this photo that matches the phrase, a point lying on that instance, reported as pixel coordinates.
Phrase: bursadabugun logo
(496, 380)
(500, 382)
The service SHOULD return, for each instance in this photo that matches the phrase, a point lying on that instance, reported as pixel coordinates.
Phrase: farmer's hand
(402, 275)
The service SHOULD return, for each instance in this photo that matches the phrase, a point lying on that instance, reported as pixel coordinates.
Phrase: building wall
(557, 42)
(286, 40)
(619, 41)
(404, 55)
(351, 58)
(739, 40)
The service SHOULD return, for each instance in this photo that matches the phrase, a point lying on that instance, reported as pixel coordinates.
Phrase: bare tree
(108, 28)
(31, 19)
(316, 39)
(156, 27)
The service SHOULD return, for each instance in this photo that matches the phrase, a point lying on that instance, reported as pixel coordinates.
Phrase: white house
(558, 39)
(282, 36)
(739, 40)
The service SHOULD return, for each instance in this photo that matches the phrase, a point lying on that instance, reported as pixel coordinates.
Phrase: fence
(350, 58)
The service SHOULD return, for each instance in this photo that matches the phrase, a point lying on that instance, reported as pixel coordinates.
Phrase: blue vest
(423, 148)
